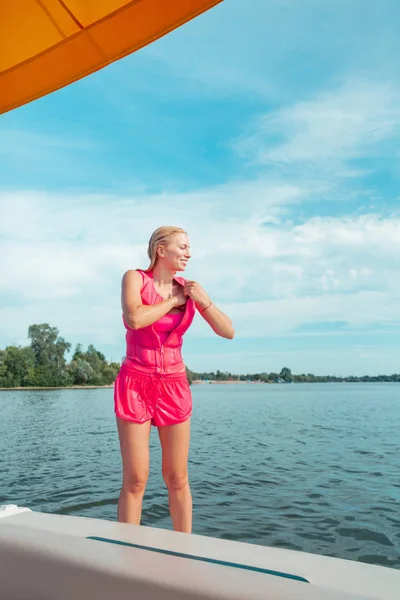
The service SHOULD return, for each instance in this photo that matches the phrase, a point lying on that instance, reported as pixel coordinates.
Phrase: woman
(152, 387)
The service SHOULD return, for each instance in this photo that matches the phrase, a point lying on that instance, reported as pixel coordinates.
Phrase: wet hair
(160, 237)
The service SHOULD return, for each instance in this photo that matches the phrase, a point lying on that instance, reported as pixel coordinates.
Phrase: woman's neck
(162, 276)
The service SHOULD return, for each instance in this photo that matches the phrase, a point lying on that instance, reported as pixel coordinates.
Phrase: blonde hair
(160, 237)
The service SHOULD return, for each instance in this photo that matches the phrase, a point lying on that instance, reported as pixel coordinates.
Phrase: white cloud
(359, 119)
(279, 315)
(63, 258)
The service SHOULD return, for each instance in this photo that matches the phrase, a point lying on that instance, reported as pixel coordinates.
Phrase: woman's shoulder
(134, 276)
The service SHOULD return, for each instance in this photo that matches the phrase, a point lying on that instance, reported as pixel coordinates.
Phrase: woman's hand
(219, 322)
(180, 299)
(196, 293)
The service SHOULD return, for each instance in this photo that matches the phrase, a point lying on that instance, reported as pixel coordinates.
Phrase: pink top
(157, 348)
(167, 324)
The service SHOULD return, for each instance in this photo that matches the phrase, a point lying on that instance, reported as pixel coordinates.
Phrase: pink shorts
(163, 399)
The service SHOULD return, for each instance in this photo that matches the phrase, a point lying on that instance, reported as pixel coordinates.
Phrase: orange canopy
(47, 44)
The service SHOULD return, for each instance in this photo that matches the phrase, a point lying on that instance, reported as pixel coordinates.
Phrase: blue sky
(269, 129)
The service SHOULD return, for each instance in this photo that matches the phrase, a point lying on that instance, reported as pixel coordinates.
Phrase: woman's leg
(134, 444)
(175, 453)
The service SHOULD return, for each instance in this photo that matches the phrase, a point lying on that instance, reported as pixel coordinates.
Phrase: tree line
(286, 376)
(43, 362)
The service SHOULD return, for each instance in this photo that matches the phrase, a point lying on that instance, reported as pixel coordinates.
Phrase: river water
(313, 467)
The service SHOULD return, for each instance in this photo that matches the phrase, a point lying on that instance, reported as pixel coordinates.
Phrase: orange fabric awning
(47, 44)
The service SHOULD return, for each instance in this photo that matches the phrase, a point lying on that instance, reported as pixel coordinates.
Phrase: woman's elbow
(132, 321)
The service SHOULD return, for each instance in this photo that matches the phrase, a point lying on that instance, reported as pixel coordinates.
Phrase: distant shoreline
(225, 382)
(195, 382)
(67, 387)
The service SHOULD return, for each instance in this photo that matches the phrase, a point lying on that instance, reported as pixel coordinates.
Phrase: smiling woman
(152, 386)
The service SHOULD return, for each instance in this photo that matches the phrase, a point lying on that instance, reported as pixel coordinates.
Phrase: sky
(270, 131)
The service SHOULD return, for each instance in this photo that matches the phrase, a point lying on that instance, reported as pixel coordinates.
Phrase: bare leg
(175, 452)
(134, 444)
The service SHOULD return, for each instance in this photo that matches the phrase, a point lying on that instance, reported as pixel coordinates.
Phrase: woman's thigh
(175, 443)
(134, 445)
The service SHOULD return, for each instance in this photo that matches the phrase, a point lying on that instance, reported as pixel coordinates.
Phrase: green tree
(109, 373)
(49, 350)
(190, 376)
(78, 352)
(286, 374)
(81, 371)
(43, 339)
(91, 367)
(47, 346)
(16, 366)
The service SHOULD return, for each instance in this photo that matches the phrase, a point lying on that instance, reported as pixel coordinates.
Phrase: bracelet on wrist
(204, 309)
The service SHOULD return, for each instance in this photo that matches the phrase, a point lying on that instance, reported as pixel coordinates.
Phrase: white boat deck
(50, 556)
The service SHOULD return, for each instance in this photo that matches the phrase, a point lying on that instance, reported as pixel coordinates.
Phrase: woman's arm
(136, 314)
(218, 321)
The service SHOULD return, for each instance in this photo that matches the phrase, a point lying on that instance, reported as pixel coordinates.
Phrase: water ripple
(311, 467)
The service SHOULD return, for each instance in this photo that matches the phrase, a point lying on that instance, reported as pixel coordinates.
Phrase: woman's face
(176, 253)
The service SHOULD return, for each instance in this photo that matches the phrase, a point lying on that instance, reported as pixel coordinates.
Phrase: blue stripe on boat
(212, 561)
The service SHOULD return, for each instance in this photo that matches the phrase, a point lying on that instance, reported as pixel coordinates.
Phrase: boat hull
(51, 556)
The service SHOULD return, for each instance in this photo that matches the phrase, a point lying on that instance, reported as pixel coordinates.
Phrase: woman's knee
(135, 483)
(176, 481)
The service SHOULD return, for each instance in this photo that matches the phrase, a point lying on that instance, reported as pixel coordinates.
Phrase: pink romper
(152, 384)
